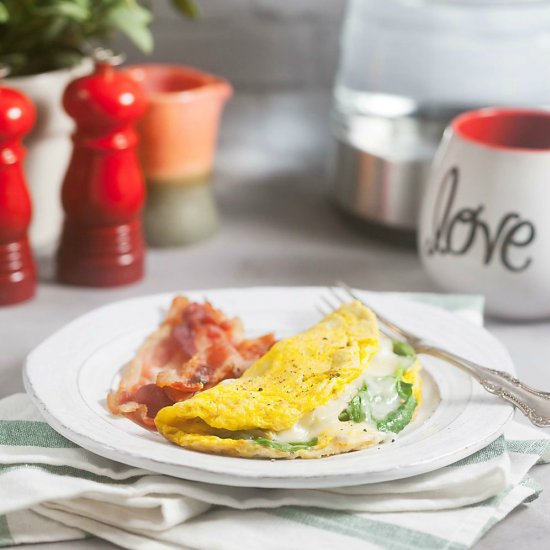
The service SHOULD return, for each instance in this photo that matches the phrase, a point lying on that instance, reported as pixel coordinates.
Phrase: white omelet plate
(69, 375)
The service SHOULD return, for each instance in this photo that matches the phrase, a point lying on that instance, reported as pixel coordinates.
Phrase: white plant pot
(48, 148)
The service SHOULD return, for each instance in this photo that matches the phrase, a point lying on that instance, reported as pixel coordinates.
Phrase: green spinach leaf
(357, 408)
(404, 389)
(398, 419)
(287, 447)
(403, 349)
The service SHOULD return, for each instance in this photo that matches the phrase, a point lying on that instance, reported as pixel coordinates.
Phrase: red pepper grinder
(17, 270)
(103, 191)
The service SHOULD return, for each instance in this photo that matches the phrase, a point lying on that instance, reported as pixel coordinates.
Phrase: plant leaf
(15, 61)
(187, 7)
(133, 23)
(54, 29)
(140, 13)
(75, 11)
(4, 13)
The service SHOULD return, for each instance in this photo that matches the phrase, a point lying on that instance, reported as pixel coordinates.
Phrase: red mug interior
(509, 129)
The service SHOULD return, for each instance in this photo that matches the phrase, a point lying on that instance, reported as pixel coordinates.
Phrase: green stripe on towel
(5, 535)
(495, 502)
(450, 301)
(493, 450)
(533, 484)
(538, 447)
(31, 433)
(387, 535)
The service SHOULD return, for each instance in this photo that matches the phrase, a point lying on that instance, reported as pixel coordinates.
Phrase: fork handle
(534, 404)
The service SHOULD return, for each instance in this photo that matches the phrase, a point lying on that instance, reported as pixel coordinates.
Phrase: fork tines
(351, 294)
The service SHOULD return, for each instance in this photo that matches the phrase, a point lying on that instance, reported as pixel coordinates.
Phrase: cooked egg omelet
(334, 388)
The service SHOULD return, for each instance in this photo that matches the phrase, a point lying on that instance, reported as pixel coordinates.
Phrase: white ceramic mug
(485, 218)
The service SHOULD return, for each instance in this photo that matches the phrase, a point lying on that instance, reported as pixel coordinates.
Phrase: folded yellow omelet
(311, 395)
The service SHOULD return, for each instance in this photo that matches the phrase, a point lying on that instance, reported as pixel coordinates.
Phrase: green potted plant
(46, 43)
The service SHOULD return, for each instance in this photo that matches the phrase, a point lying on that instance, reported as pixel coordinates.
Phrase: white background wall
(280, 56)
(257, 44)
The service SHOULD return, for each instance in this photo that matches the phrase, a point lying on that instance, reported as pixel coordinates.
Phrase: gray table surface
(278, 229)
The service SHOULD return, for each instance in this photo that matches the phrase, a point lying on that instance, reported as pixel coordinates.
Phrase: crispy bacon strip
(195, 348)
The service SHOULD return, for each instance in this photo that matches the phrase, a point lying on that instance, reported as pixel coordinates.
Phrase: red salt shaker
(17, 270)
(103, 191)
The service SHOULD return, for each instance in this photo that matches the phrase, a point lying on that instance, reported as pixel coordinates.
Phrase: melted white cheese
(383, 396)
(380, 380)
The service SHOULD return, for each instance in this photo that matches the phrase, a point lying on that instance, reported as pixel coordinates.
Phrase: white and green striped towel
(52, 490)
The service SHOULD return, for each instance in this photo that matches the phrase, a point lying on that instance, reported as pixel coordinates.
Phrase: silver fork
(534, 404)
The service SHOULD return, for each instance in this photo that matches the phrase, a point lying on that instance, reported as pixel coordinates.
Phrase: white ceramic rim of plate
(458, 427)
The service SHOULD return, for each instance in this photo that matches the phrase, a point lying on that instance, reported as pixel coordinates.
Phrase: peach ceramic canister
(178, 136)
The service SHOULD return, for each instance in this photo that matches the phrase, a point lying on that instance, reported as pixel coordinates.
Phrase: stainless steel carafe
(407, 67)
